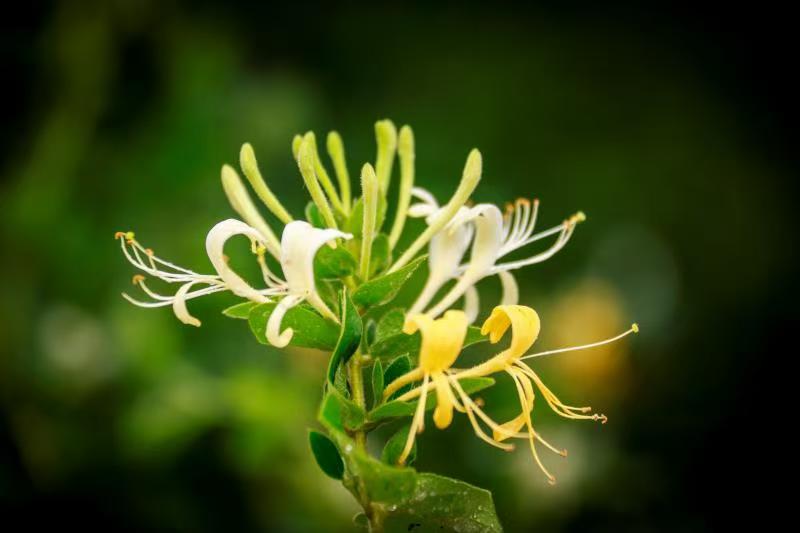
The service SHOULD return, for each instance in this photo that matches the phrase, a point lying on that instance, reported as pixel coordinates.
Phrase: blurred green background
(657, 123)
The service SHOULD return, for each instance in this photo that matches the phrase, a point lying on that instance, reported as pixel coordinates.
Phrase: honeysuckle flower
(298, 247)
(445, 250)
(494, 236)
(442, 341)
(525, 325)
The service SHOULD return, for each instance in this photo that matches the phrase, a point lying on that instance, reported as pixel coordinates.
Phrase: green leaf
(240, 310)
(349, 335)
(381, 256)
(397, 368)
(326, 454)
(338, 412)
(409, 344)
(310, 329)
(441, 502)
(399, 409)
(334, 263)
(395, 445)
(377, 382)
(382, 289)
(390, 324)
(313, 216)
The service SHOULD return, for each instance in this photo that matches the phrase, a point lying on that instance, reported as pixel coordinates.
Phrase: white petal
(425, 196)
(215, 244)
(510, 289)
(299, 244)
(446, 250)
(488, 221)
(179, 306)
(274, 335)
(471, 304)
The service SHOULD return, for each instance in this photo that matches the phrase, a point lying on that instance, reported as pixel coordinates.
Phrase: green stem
(374, 513)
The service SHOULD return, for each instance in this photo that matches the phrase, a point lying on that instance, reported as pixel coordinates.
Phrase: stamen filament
(633, 329)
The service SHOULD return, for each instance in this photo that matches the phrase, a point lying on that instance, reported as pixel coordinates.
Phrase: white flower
(494, 236)
(299, 245)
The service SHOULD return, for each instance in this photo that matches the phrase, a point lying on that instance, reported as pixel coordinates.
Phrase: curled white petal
(179, 305)
(274, 335)
(299, 244)
(215, 244)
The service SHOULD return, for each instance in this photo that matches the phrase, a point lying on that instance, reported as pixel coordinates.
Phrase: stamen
(633, 329)
(417, 423)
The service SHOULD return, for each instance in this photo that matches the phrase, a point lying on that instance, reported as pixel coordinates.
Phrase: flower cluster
(336, 220)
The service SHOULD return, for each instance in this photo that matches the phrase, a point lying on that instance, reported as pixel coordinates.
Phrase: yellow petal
(524, 324)
(443, 414)
(442, 339)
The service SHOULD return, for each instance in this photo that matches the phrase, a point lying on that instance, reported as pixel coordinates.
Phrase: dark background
(668, 125)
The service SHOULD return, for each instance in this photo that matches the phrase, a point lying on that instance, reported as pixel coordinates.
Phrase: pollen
(578, 217)
(635, 327)
(137, 278)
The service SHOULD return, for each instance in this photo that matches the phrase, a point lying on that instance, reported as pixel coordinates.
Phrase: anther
(635, 327)
(137, 278)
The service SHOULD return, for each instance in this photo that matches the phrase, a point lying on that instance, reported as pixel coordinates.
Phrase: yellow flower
(525, 326)
(442, 341)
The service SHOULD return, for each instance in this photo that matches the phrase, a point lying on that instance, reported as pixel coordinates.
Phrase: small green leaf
(377, 382)
(349, 335)
(310, 329)
(313, 216)
(334, 263)
(382, 289)
(381, 256)
(241, 310)
(395, 445)
(399, 409)
(326, 454)
(397, 368)
(390, 324)
(340, 413)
